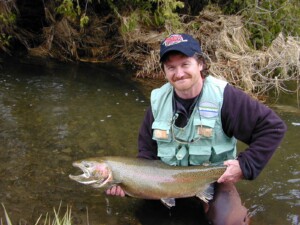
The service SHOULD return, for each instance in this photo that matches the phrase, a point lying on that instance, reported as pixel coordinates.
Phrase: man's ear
(201, 66)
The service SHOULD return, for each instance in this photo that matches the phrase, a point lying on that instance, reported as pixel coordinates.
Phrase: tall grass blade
(8, 221)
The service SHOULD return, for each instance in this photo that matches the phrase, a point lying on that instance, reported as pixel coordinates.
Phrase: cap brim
(186, 52)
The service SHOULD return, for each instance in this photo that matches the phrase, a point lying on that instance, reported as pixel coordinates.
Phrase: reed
(58, 219)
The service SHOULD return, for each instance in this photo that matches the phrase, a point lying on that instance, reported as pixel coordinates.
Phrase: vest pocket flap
(219, 149)
(166, 151)
(200, 150)
(199, 154)
(160, 125)
(161, 131)
(205, 122)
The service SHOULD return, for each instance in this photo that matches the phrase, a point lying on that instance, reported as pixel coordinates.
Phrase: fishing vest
(202, 141)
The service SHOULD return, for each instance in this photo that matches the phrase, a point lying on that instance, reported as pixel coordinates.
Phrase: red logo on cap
(174, 39)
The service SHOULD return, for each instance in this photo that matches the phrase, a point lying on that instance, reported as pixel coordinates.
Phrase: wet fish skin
(148, 179)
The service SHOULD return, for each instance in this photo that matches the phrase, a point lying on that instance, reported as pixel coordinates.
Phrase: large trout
(149, 179)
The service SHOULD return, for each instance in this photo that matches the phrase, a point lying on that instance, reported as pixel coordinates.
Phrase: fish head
(97, 174)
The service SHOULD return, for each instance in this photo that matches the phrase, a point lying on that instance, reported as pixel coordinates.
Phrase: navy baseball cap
(183, 43)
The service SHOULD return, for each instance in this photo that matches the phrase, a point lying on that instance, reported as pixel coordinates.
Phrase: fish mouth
(88, 177)
(84, 178)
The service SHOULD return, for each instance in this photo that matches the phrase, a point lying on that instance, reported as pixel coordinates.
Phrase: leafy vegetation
(154, 12)
(73, 11)
(266, 19)
(131, 13)
(7, 23)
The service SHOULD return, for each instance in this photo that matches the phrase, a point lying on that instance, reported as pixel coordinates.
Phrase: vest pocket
(204, 129)
(161, 131)
(167, 154)
(161, 135)
(199, 155)
(222, 153)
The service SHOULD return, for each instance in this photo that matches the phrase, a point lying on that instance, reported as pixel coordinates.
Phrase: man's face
(184, 73)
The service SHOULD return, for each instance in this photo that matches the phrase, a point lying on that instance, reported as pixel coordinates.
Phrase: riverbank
(129, 35)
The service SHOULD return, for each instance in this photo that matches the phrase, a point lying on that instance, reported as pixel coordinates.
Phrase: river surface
(52, 114)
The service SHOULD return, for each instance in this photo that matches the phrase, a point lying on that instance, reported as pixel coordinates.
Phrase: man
(196, 119)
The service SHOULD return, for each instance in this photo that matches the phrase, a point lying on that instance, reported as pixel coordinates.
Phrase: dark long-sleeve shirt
(243, 118)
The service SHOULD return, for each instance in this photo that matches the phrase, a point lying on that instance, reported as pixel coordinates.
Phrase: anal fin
(168, 202)
(208, 193)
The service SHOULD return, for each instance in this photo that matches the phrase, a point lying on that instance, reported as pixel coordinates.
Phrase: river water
(52, 114)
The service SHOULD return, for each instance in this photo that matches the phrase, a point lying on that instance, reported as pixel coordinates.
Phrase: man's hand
(233, 173)
(115, 190)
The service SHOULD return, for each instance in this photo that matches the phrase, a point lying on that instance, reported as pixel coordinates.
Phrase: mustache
(181, 78)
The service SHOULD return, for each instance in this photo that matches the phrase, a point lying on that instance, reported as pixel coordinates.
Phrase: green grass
(66, 219)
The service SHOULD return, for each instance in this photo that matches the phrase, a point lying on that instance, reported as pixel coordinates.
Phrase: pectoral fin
(169, 202)
(208, 193)
(106, 185)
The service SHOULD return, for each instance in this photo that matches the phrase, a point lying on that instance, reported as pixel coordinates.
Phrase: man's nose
(179, 72)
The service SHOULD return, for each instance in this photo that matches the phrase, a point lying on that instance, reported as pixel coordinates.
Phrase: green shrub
(266, 19)
(7, 22)
(154, 13)
(73, 11)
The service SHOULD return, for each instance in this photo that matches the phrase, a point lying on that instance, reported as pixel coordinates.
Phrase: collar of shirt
(184, 109)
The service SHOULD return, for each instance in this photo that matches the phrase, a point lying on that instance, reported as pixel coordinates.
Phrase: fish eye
(85, 163)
